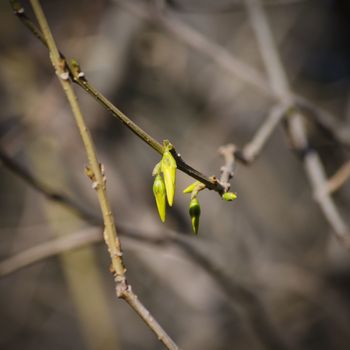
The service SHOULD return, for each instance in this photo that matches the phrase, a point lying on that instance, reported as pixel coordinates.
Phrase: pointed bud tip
(195, 212)
(195, 225)
(229, 196)
(159, 195)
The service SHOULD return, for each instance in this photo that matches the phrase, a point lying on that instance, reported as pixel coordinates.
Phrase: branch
(227, 170)
(45, 190)
(253, 149)
(48, 249)
(296, 129)
(339, 178)
(95, 172)
(79, 78)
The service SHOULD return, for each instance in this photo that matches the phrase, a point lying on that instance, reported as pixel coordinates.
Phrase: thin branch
(253, 149)
(240, 296)
(48, 249)
(96, 174)
(227, 170)
(23, 173)
(79, 78)
(232, 6)
(315, 171)
(339, 178)
(296, 129)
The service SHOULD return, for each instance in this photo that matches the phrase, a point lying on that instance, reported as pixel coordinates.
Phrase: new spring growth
(195, 212)
(164, 182)
(194, 209)
(229, 196)
(159, 195)
(168, 168)
(194, 188)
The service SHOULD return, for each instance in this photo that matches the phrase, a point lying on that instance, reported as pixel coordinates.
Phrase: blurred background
(268, 273)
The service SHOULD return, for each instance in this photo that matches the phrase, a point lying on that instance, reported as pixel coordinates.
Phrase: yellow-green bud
(159, 195)
(195, 212)
(192, 187)
(168, 167)
(229, 196)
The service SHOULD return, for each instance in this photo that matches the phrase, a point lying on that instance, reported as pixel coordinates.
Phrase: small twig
(48, 249)
(95, 172)
(318, 180)
(48, 192)
(339, 178)
(297, 131)
(227, 170)
(252, 150)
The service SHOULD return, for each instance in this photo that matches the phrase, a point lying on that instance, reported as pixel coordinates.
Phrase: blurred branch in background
(241, 297)
(296, 129)
(233, 65)
(335, 182)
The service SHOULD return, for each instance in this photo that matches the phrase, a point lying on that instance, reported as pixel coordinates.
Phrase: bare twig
(339, 178)
(22, 172)
(95, 172)
(227, 170)
(315, 171)
(252, 150)
(48, 249)
(296, 128)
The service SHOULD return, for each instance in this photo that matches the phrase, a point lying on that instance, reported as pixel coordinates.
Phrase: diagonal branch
(74, 72)
(253, 148)
(339, 178)
(20, 171)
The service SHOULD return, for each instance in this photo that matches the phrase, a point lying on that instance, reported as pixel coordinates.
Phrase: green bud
(159, 194)
(168, 167)
(229, 196)
(195, 212)
(192, 187)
